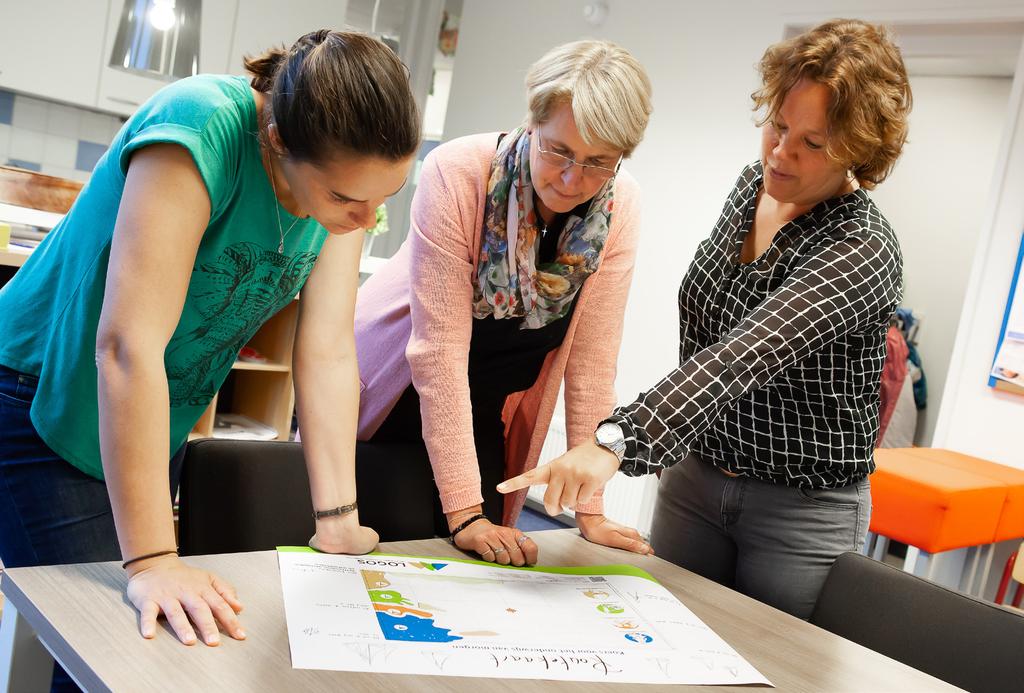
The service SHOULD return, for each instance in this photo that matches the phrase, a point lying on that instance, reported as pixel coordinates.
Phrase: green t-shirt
(50, 310)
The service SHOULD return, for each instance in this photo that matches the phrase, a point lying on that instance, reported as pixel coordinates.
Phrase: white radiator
(627, 500)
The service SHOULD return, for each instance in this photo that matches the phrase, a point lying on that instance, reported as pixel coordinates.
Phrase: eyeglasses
(564, 163)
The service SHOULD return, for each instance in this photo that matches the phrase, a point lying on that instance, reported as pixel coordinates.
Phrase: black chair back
(964, 641)
(245, 495)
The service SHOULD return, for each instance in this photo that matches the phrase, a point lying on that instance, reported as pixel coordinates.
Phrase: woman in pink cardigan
(513, 278)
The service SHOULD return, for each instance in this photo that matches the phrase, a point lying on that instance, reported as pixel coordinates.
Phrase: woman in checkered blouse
(765, 432)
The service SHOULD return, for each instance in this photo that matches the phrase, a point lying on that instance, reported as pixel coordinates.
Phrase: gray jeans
(772, 542)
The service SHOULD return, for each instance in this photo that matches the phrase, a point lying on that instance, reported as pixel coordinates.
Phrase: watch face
(608, 433)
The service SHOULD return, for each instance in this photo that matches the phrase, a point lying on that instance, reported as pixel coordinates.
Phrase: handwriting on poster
(555, 661)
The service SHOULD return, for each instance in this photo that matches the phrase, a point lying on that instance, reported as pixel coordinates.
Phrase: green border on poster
(561, 570)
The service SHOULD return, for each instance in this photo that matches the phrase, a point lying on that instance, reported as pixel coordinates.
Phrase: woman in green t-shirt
(213, 206)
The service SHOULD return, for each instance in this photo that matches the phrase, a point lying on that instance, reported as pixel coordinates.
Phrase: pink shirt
(413, 323)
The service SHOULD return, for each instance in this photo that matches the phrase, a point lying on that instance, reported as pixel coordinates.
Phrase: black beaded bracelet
(466, 523)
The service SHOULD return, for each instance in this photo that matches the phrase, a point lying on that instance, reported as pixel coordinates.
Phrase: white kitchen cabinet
(265, 23)
(60, 49)
(53, 49)
(122, 92)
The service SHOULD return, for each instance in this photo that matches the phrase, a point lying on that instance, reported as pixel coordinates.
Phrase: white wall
(936, 200)
(701, 59)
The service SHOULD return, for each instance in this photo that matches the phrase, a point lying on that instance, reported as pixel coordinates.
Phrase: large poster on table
(444, 617)
(1008, 365)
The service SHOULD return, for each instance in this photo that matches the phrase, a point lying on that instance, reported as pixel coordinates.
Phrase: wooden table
(82, 617)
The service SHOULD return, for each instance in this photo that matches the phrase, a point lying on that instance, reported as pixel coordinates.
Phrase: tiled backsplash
(53, 138)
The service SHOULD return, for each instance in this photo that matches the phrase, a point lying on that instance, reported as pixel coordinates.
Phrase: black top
(781, 358)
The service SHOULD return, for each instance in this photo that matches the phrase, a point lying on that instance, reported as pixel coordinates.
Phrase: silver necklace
(277, 207)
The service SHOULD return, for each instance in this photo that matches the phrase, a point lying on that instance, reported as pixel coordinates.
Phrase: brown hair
(338, 90)
(871, 99)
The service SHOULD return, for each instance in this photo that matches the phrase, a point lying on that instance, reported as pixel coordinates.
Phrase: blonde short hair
(871, 99)
(607, 87)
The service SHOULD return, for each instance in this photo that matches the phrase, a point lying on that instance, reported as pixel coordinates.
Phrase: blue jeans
(51, 513)
(771, 542)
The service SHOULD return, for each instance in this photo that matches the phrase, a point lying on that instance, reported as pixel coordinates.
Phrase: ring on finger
(487, 550)
(522, 539)
(500, 549)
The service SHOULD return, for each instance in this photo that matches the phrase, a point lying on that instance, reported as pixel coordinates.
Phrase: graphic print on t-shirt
(230, 299)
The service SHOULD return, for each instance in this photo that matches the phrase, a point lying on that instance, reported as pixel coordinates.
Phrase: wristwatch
(609, 436)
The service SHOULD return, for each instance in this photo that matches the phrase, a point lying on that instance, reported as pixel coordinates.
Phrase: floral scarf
(511, 284)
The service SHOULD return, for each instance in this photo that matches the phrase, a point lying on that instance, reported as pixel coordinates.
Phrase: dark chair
(243, 495)
(964, 641)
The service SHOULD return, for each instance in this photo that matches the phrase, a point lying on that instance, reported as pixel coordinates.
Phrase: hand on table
(494, 543)
(187, 596)
(572, 479)
(343, 534)
(600, 530)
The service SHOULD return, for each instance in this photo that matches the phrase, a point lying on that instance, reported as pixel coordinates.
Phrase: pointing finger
(534, 477)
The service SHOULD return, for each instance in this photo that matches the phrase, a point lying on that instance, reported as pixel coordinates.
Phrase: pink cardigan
(414, 321)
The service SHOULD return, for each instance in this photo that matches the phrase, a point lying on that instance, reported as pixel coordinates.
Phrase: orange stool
(1011, 520)
(935, 501)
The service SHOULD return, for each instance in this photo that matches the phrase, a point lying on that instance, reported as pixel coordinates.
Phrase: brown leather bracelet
(124, 566)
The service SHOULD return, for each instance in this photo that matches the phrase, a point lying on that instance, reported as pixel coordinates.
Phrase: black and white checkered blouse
(780, 359)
